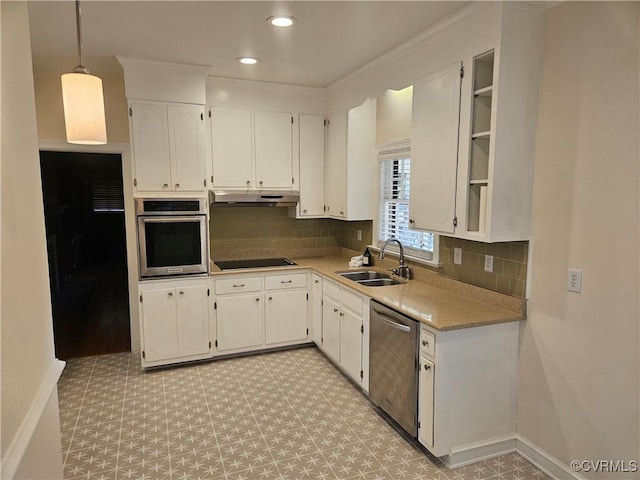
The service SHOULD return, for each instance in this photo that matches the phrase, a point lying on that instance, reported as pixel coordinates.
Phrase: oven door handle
(396, 325)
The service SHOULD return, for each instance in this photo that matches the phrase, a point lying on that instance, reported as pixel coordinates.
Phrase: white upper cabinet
(232, 147)
(434, 150)
(351, 162)
(168, 147)
(252, 150)
(187, 147)
(312, 182)
(483, 192)
(273, 149)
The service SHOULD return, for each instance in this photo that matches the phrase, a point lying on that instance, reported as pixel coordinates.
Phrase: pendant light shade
(84, 109)
(83, 101)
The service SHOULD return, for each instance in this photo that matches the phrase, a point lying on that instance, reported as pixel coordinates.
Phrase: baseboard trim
(476, 452)
(20, 442)
(544, 460)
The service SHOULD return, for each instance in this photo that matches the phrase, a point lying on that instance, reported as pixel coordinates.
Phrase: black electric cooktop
(254, 263)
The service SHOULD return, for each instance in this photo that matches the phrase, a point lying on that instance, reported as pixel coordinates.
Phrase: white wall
(28, 368)
(579, 362)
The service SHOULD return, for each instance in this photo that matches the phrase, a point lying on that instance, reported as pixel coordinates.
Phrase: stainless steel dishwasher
(393, 365)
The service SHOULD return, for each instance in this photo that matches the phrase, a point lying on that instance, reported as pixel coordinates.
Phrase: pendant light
(83, 101)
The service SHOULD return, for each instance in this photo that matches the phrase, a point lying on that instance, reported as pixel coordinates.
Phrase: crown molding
(266, 86)
(128, 62)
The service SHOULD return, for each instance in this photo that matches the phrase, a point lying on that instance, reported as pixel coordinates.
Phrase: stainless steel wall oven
(173, 236)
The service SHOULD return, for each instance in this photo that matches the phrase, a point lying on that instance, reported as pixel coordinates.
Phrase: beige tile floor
(289, 415)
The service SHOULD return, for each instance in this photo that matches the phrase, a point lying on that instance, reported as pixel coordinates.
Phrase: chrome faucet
(403, 270)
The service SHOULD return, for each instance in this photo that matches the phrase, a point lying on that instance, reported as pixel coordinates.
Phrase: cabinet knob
(177, 185)
(261, 182)
(316, 281)
(425, 343)
(248, 182)
(427, 367)
(412, 221)
(335, 310)
(270, 298)
(341, 314)
(257, 299)
(341, 212)
(181, 293)
(165, 185)
(304, 211)
(171, 294)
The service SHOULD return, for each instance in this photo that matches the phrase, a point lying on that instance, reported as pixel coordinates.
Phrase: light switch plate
(457, 255)
(488, 263)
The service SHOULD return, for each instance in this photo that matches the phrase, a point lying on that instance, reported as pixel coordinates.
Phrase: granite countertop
(435, 300)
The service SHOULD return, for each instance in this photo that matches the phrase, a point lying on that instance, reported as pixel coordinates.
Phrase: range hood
(266, 198)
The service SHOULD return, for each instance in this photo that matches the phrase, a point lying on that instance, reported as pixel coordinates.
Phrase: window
(393, 218)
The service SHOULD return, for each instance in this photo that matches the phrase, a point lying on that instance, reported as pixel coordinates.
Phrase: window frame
(389, 151)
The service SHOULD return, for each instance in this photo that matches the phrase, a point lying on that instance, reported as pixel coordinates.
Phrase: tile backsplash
(260, 232)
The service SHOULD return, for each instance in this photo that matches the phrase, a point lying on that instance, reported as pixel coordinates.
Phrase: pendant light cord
(80, 68)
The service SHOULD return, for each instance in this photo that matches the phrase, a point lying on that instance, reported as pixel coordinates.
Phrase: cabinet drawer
(238, 285)
(352, 301)
(276, 282)
(427, 343)
(331, 289)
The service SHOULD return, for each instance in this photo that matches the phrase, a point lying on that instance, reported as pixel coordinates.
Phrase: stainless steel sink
(370, 278)
(379, 282)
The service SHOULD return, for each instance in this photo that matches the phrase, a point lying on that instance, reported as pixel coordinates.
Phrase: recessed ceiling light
(248, 60)
(281, 20)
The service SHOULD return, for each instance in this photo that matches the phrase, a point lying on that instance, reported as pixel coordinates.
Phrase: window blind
(395, 183)
(106, 195)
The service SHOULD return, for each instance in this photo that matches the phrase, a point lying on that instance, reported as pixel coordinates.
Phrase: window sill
(396, 254)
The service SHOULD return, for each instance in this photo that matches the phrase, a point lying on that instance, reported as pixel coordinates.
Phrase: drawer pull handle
(257, 299)
(238, 285)
(181, 293)
(171, 294)
(425, 343)
(317, 281)
(427, 367)
(286, 281)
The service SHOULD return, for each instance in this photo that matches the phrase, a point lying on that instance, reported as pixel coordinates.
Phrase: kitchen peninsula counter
(433, 299)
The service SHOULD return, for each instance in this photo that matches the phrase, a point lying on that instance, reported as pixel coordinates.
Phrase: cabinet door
(311, 165)
(186, 140)
(159, 324)
(434, 150)
(193, 320)
(336, 166)
(316, 310)
(273, 150)
(239, 321)
(151, 155)
(351, 344)
(425, 402)
(285, 316)
(232, 147)
(331, 328)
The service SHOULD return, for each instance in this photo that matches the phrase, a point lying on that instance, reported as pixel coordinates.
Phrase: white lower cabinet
(239, 322)
(345, 320)
(467, 391)
(174, 321)
(260, 311)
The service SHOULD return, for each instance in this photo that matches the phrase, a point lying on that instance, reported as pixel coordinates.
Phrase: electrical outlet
(488, 263)
(574, 280)
(457, 255)
(359, 234)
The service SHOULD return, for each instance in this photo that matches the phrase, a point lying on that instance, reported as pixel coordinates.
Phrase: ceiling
(329, 40)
